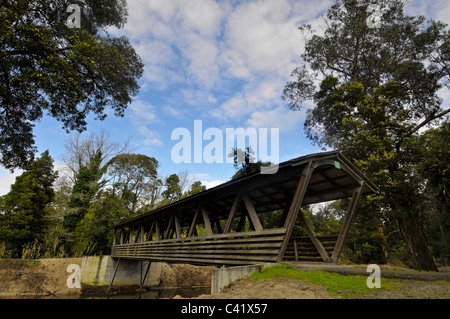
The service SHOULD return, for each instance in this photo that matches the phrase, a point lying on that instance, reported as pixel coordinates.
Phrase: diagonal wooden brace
(347, 221)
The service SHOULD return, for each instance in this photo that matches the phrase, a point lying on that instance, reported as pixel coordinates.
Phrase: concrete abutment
(99, 270)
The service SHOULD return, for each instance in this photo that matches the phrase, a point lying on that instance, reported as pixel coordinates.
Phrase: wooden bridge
(222, 225)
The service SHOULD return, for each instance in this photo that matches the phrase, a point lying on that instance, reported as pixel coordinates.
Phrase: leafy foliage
(23, 210)
(378, 88)
(47, 67)
(173, 189)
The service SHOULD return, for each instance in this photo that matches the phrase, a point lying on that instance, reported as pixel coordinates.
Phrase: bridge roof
(334, 177)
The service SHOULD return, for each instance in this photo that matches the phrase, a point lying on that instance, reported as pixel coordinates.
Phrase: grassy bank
(345, 286)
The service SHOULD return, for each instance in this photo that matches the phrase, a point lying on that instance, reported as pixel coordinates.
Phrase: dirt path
(410, 289)
(270, 289)
(43, 277)
(296, 289)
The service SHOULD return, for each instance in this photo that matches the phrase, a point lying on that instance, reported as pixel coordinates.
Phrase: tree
(81, 149)
(86, 186)
(46, 66)
(378, 88)
(434, 147)
(93, 234)
(173, 189)
(244, 162)
(23, 211)
(196, 187)
(134, 178)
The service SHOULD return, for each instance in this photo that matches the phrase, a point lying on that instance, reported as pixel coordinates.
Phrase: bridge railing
(222, 249)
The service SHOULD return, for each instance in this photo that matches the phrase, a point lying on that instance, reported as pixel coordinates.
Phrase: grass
(33, 263)
(346, 286)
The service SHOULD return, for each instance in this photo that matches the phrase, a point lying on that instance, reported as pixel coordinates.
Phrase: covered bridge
(209, 228)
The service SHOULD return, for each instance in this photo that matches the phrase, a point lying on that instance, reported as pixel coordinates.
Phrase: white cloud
(150, 138)
(142, 112)
(280, 117)
(141, 115)
(261, 37)
(174, 112)
(177, 36)
(200, 51)
(211, 184)
(234, 108)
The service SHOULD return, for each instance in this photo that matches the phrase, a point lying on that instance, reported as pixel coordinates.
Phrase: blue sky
(222, 62)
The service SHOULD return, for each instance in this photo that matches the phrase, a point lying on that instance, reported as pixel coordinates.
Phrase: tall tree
(434, 166)
(196, 187)
(134, 178)
(378, 87)
(81, 149)
(23, 210)
(86, 186)
(173, 190)
(48, 65)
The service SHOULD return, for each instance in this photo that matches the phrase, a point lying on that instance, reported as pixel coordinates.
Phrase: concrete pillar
(98, 271)
(222, 277)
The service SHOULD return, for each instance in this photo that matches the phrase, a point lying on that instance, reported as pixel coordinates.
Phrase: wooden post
(208, 227)
(194, 223)
(157, 231)
(146, 273)
(346, 225)
(295, 207)
(241, 222)
(295, 250)
(312, 235)
(252, 213)
(285, 212)
(150, 232)
(166, 235)
(113, 277)
(219, 227)
(233, 211)
(177, 226)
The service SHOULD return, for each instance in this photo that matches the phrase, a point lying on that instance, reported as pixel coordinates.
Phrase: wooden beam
(150, 232)
(346, 224)
(241, 222)
(252, 213)
(157, 231)
(177, 226)
(142, 233)
(295, 207)
(207, 222)
(194, 223)
(169, 225)
(285, 213)
(312, 235)
(219, 227)
(295, 250)
(232, 214)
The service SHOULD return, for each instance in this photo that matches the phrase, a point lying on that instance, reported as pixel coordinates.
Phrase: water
(155, 293)
(149, 293)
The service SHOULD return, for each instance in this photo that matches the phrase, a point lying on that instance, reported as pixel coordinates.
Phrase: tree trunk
(412, 232)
